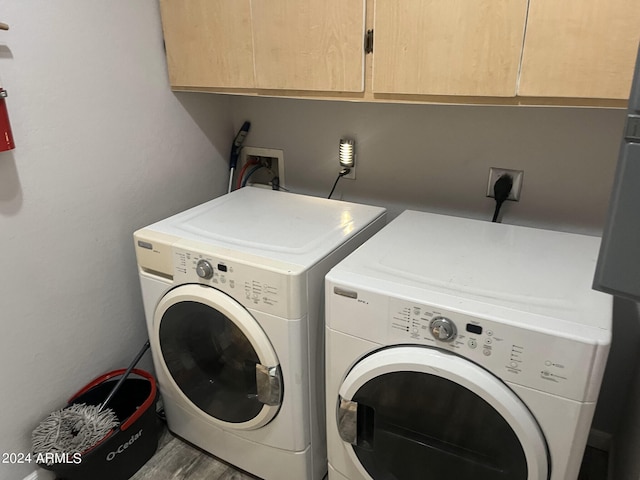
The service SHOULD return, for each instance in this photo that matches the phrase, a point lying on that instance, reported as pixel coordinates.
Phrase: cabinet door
(448, 47)
(208, 42)
(580, 48)
(309, 45)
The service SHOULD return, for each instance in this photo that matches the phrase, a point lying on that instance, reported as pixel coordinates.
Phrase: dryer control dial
(204, 269)
(443, 329)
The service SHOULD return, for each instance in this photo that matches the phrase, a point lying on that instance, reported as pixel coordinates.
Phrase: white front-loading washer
(234, 304)
(459, 349)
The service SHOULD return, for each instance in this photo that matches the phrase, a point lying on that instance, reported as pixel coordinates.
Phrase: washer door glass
(218, 356)
(414, 412)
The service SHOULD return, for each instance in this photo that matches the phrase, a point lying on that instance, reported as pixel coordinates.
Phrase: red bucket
(128, 447)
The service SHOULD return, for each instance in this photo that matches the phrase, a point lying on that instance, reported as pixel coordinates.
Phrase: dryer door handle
(355, 423)
(348, 421)
(269, 384)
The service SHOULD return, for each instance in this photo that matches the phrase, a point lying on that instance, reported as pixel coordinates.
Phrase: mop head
(73, 429)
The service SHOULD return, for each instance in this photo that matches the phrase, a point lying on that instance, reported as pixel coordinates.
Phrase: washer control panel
(255, 288)
(523, 356)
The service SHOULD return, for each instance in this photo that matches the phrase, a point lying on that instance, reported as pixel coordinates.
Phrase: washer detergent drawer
(415, 412)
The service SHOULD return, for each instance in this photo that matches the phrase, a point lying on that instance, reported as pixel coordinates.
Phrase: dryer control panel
(549, 363)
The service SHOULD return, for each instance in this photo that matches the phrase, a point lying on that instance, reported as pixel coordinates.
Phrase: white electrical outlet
(272, 161)
(516, 175)
(352, 172)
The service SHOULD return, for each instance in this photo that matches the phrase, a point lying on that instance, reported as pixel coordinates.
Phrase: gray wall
(437, 157)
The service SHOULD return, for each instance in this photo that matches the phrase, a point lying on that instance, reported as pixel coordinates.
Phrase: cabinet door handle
(368, 42)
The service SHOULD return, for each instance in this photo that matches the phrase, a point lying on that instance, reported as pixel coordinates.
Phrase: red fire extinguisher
(6, 136)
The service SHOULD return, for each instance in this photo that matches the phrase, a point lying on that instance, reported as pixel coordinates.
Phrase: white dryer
(459, 349)
(234, 303)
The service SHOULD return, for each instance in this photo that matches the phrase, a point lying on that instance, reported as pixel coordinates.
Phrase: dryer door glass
(415, 425)
(412, 412)
(211, 361)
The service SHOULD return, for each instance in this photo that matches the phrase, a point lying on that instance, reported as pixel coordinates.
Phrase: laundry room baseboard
(599, 439)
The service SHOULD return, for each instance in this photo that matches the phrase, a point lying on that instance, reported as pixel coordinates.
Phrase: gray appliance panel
(618, 267)
(634, 98)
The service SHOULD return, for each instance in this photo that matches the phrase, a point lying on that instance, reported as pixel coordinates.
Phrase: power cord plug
(501, 191)
(342, 173)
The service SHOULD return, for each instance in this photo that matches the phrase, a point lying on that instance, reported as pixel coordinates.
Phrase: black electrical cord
(501, 191)
(342, 173)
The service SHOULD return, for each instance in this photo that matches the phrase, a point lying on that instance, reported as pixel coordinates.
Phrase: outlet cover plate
(352, 173)
(495, 173)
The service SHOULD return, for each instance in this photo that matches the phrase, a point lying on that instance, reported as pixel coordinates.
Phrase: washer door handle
(269, 384)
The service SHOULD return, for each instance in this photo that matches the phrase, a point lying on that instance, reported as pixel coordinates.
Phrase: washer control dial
(443, 329)
(204, 269)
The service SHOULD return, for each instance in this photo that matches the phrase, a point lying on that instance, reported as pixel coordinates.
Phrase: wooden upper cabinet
(448, 47)
(580, 48)
(472, 48)
(309, 45)
(208, 42)
(265, 44)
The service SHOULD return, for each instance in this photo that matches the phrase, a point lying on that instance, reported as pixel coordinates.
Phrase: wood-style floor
(178, 460)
